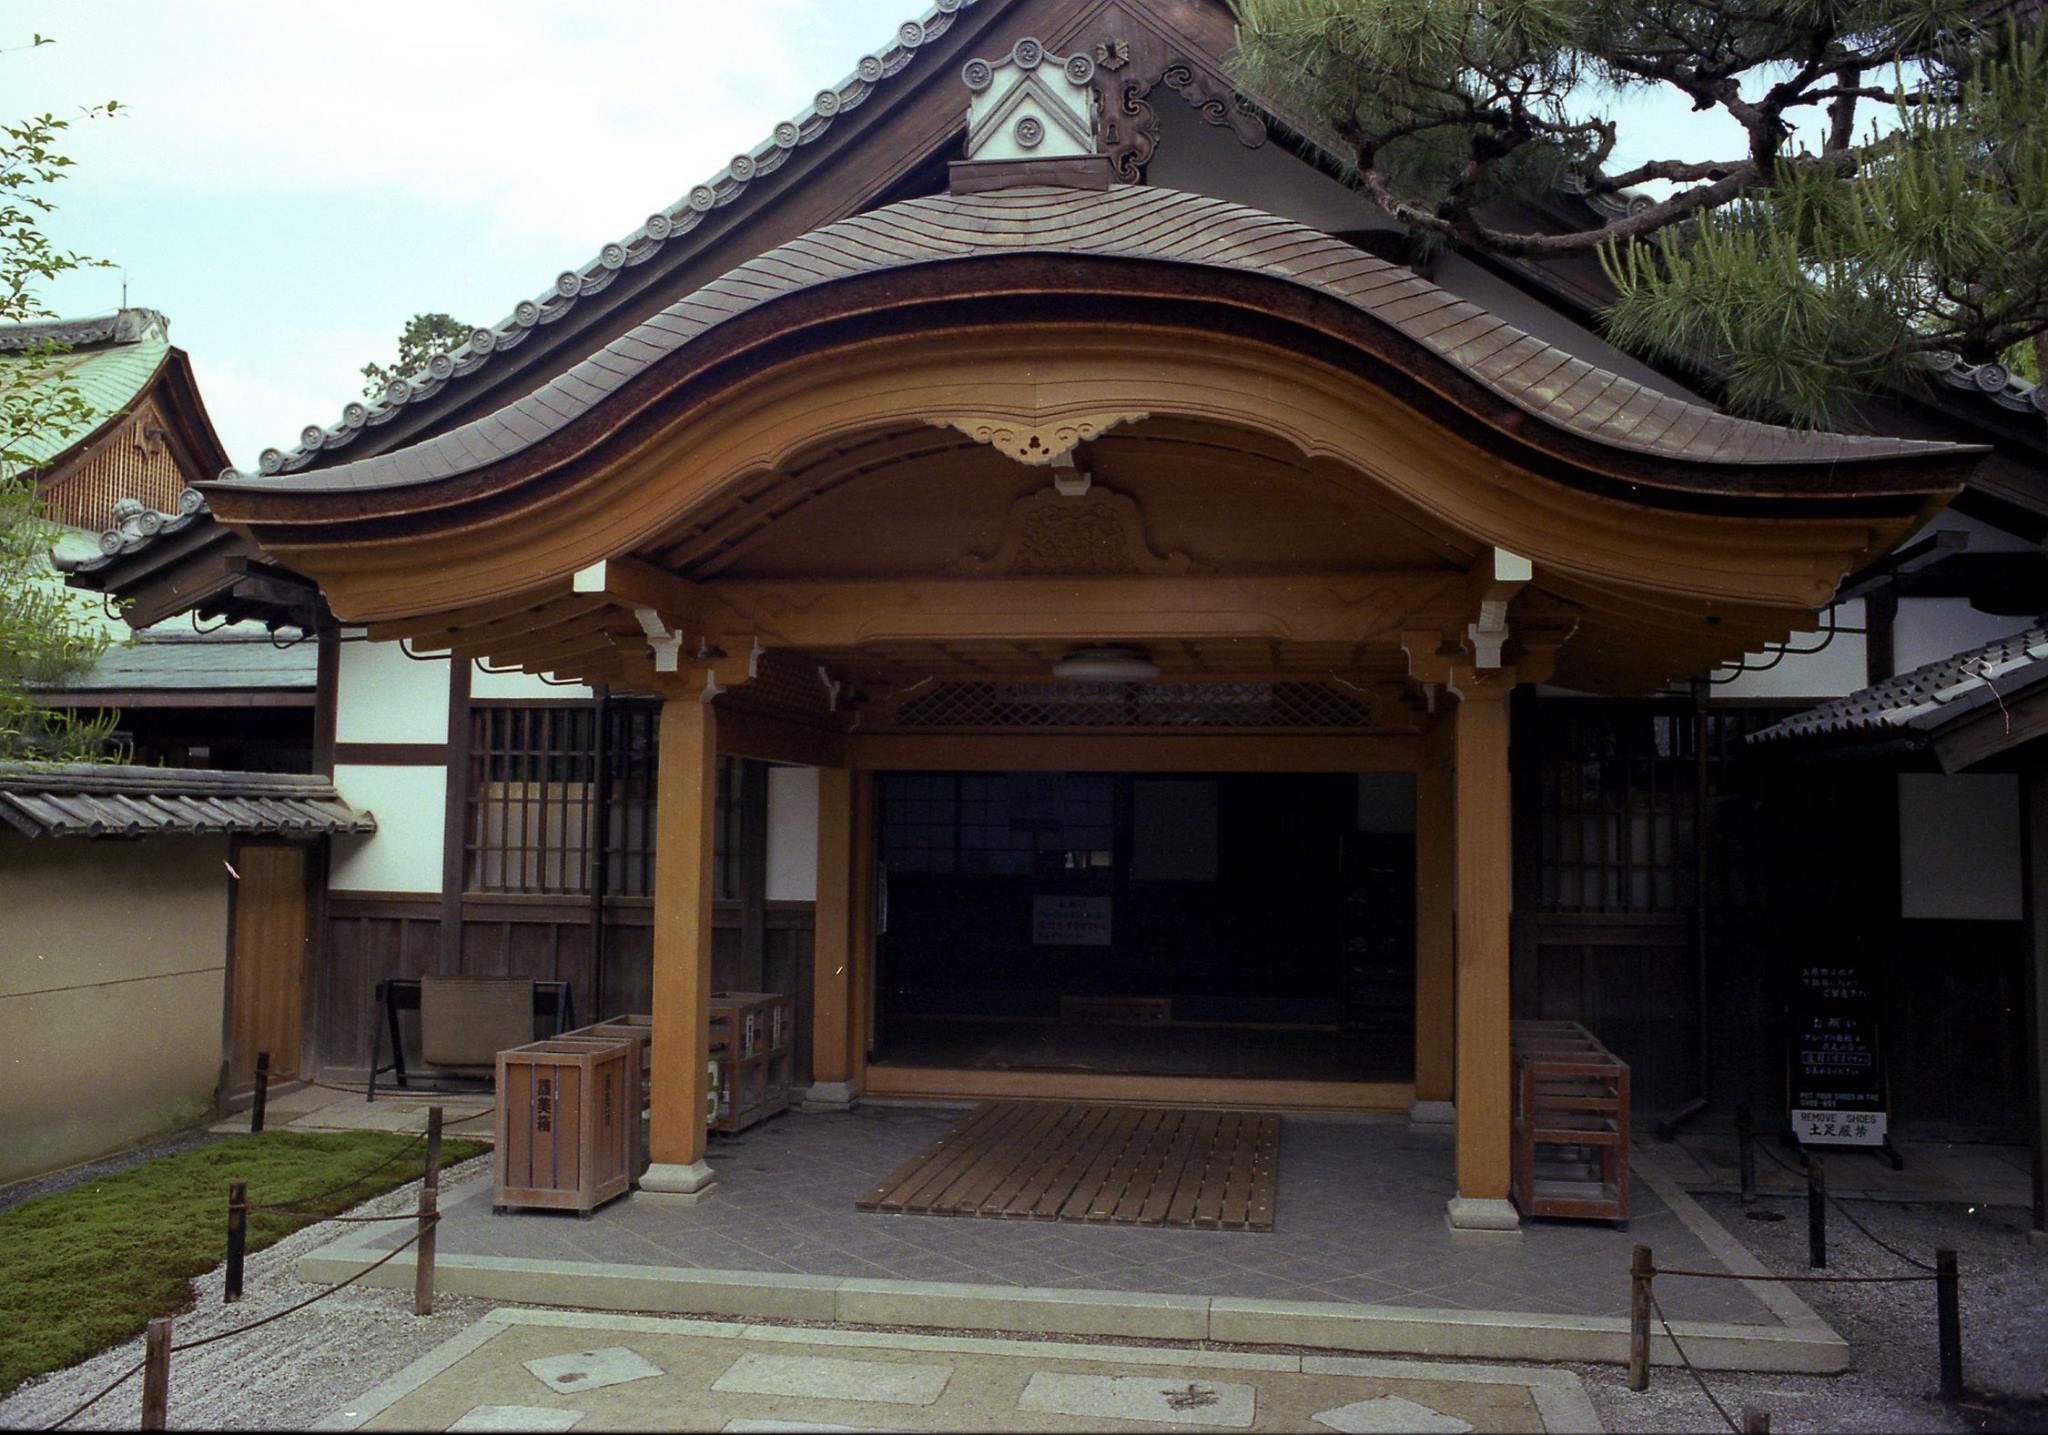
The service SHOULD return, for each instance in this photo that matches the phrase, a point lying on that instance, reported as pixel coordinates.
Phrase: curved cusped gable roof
(1519, 373)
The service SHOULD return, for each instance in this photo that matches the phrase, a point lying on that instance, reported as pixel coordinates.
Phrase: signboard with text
(1070, 921)
(1837, 1068)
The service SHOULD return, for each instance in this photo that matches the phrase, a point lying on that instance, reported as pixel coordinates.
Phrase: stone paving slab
(726, 1377)
(774, 1212)
(1361, 1221)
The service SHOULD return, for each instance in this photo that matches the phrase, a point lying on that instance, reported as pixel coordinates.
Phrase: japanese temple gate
(849, 506)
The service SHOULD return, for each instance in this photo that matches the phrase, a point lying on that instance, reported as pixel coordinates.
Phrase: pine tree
(423, 336)
(1888, 200)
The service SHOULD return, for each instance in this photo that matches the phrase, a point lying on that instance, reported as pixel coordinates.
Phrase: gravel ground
(1890, 1328)
(294, 1372)
(284, 1376)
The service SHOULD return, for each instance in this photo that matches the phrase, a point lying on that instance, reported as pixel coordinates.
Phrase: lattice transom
(1134, 705)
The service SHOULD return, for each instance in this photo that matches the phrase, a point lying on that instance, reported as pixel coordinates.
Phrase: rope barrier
(1795, 1280)
(431, 1221)
(125, 1375)
(288, 1206)
(1691, 1369)
(117, 1383)
(1847, 1215)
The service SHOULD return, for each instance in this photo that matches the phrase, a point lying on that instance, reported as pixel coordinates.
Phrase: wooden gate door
(269, 960)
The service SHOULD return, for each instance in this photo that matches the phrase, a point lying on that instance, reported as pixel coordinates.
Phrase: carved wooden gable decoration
(1061, 533)
(1135, 56)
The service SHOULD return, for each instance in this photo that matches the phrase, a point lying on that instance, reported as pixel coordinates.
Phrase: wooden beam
(632, 583)
(1114, 752)
(685, 801)
(1111, 1088)
(1317, 608)
(745, 733)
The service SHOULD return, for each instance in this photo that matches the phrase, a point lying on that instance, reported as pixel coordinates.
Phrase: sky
(289, 182)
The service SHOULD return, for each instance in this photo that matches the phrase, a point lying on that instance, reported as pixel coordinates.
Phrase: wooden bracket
(1494, 582)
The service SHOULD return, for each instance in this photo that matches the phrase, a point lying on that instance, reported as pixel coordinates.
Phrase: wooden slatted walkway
(1131, 1165)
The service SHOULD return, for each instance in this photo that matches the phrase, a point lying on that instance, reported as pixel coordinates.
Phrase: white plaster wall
(1207, 159)
(113, 982)
(792, 834)
(526, 687)
(1841, 667)
(1959, 846)
(1930, 629)
(404, 854)
(384, 696)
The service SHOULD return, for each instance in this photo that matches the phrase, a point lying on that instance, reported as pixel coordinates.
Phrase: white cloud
(548, 119)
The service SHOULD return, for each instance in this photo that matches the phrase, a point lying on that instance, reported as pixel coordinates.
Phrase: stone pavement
(1360, 1220)
(1963, 1172)
(559, 1370)
(323, 1108)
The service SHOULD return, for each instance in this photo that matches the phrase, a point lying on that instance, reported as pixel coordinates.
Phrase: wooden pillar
(2036, 890)
(686, 796)
(832, 948)
(1485, 887)
(866, 899)
(1435, 945)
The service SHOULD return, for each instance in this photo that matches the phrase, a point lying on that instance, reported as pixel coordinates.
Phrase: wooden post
(1435, 987)
(262, 1096)
(832, 949)
(1640, 1272)
(866, 865)
(430, 1217)
(1816, 1214)
(1755, 1422)
(238, 1239)
(1745, 1143)
(156, 1374)
(686, 796)
(1484, 871)
(2036, 893)
(1948, 1324)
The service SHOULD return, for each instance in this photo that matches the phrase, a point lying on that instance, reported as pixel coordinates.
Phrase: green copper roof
(110, 359)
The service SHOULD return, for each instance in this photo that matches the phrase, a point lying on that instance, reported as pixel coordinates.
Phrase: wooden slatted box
(637, 1027)
(1571, 1126)
(751, 1046)
(568, 1133)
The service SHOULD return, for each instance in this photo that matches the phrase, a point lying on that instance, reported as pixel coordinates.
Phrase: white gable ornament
(1029, 105)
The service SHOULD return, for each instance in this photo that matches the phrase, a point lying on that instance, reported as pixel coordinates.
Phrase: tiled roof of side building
(110, 358)
(242, 657)
(1925, 699)
(1150, 223)
(87, 800)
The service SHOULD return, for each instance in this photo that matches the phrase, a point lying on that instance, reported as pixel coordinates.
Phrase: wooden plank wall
(371, 936)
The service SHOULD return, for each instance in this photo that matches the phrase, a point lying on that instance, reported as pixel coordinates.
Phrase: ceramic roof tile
(1927, 698)
(90, 800)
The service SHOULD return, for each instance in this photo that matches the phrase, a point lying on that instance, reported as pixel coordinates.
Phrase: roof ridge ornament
(1030, 120)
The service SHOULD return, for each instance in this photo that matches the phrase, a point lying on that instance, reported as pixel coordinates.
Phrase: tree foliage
(1887, 197)
(44, 637)
(423, 336)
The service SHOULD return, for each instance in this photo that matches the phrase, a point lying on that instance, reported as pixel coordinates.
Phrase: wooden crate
(568, 1134)
(1570, 1123)
(752, 1045)
(638, 1028)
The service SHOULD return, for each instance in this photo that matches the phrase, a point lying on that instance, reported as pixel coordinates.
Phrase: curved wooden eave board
(576, 513)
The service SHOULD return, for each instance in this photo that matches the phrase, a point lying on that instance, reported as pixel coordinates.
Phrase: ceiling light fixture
(1106, 665)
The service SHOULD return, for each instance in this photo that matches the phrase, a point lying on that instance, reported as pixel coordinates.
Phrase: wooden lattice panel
(1293, 706)
(785, 683)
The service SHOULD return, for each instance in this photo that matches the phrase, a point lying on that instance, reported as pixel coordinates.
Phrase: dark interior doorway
(1248, 925)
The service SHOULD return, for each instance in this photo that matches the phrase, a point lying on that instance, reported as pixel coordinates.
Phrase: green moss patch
(87, 1268)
